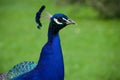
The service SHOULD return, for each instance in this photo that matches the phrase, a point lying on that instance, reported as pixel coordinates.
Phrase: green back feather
(20, 69)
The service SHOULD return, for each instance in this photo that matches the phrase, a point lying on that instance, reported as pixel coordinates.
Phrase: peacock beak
(69, 21)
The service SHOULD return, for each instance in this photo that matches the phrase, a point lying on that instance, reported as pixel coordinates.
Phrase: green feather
(20, 69)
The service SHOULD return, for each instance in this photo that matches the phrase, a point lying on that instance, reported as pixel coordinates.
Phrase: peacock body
(51, 64)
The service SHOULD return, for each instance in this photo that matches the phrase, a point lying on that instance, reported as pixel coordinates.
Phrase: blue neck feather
(50, 65)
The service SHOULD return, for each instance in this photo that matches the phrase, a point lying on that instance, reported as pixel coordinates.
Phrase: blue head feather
(57, 22)
(58, 15)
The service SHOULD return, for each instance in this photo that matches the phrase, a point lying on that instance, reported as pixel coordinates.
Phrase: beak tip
(72, 22)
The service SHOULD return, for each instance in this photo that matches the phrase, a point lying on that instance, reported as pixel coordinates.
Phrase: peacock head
(59, 21)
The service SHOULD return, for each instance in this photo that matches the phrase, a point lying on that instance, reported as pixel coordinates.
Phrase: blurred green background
(91, 48)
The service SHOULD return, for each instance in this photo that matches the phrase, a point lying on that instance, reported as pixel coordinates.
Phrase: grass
(91, 48)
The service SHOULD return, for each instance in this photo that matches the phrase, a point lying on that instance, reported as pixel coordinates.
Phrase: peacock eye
(59, 19)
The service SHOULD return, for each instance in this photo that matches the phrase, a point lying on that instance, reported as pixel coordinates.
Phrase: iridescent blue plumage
(50, 65)
(20, 69)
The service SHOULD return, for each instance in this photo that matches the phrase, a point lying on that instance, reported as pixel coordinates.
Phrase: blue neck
(51, 65)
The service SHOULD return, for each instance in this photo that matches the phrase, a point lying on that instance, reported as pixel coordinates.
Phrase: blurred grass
(91, 48)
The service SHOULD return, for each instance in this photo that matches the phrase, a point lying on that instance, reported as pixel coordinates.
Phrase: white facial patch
(65, 19)
(57, 21)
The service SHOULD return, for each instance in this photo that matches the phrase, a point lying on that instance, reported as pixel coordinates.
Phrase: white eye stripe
(57, 21)
(65, 19)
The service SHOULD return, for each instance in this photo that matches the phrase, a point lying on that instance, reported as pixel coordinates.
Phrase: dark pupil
(60, 19)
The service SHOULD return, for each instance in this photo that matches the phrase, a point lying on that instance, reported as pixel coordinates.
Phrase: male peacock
(50, 65)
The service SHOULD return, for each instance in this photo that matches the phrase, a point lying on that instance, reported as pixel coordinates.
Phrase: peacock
(51, 64)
